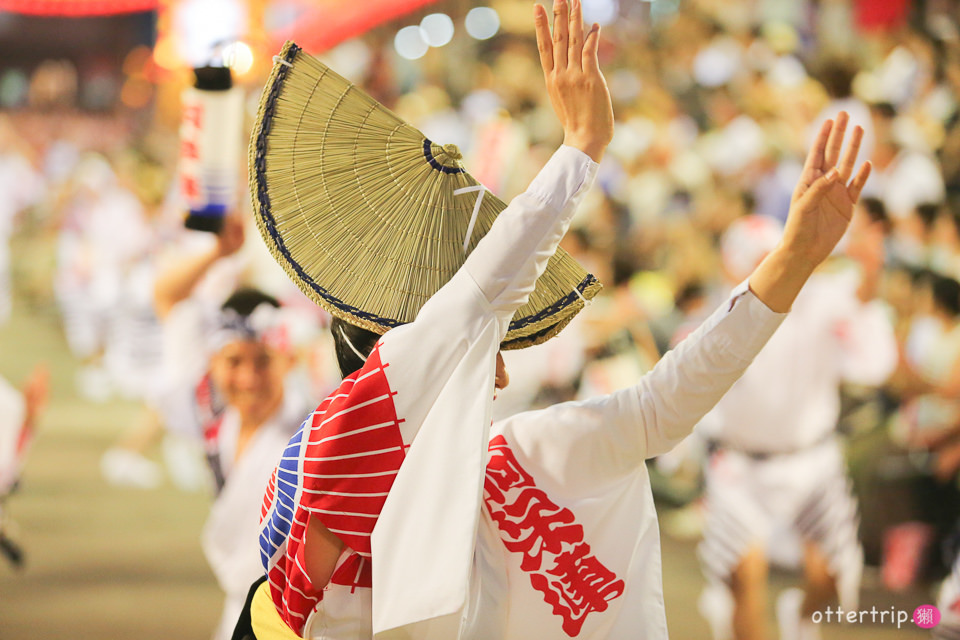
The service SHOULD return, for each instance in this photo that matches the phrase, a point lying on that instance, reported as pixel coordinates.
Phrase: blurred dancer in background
(19, 413)
(252, 355)
(96, 274)
(244, 411)
(228, 386)
(779, 466)
(22, 186)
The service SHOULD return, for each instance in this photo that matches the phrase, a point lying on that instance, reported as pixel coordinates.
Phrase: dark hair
(689, 294)
(946, 294)
(954, 216)
(877, 212)
(245, 299)
(837, 76)
(885, 110)
(927, 212)
(345, 335)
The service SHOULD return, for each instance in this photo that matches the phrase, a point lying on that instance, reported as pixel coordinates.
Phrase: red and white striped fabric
(339, 468)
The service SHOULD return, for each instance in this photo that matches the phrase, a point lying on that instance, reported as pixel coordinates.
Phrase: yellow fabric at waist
(264, 618)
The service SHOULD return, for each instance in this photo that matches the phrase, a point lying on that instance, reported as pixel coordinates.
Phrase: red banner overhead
(327, 23)
(76, 8)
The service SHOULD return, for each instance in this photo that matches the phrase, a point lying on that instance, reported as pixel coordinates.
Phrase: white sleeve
(481, 298)
(506, 263)
(179, 411)
(597, 440)
(513, 254)
(441, 374)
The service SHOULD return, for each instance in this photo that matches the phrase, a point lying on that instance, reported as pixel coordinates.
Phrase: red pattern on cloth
(209, 411)
(348, 461)
(572, 580)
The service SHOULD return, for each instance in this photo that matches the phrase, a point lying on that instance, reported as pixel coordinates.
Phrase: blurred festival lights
(165, 53)
(436, 29)
(409, 43)
(136, 93)
(482, 23)
(602, 12)
(203, 27)
(239, 57)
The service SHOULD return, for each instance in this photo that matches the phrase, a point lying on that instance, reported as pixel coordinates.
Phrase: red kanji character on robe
(580, 585)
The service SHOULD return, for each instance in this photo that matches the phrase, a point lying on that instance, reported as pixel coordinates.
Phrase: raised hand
(35, 391)
(820, 213)
(822, 203)
(577, 89)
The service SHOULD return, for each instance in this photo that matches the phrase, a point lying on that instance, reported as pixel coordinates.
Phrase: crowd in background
(715, 108)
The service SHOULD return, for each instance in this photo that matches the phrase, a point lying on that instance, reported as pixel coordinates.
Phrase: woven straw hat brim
(363, 212)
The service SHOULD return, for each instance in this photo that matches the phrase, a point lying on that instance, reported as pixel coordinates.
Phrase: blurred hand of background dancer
(175, 283)
(820, 212)
(230, 237)
(577, 89)
(35, 392)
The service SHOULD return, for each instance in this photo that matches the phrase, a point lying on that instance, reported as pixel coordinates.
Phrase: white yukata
(13, 412)
(92, 263)
(780, 468)
(229, 537)
(440, 568)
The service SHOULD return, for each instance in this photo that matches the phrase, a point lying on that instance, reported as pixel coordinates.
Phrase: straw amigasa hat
(369, 217)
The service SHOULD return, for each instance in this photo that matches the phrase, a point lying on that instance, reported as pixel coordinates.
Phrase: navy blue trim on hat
(428, 154)
(562, 303)
(260, 167)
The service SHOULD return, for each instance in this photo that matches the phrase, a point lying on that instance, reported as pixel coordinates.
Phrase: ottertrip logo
(925, 616)
(572, 580)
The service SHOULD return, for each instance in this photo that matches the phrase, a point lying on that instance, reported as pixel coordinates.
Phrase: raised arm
(177, 282)
(510, 258)
(571, 69)
(610, 435)
(820, 212)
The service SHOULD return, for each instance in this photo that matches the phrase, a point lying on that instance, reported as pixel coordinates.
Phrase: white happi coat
(229, 537)
(13, 412)
(789, 398)
(561, 492)
(569, 544)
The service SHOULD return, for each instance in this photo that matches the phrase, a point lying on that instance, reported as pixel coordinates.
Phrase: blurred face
(502, 378)
(250, 376)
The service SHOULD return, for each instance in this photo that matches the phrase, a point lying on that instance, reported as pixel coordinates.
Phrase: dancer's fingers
(561, 20)
(575, 30)
(861, 179)
(849, 160)
(541, 24)
(835, 143)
